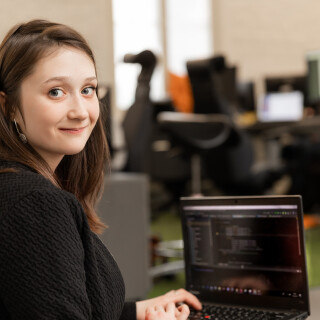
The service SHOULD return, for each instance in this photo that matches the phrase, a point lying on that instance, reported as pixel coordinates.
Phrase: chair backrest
(233, 164)
(213, 85)
(138, 119)
(215, 91)
(142, 133)
(246, 96)
(225, 89)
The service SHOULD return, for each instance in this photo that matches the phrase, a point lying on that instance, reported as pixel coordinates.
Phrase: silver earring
(22, 137)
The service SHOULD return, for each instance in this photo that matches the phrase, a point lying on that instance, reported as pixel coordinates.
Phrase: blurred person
(53, 155)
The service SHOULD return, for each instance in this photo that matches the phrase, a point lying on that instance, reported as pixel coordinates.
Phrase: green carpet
(312, 237)
(166, 225)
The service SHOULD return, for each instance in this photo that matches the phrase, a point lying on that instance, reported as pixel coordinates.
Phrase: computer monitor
(313, 77)
(246, 96)
(288, 84)
(280, 106)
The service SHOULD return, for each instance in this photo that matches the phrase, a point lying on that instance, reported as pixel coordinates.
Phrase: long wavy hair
(81, 174)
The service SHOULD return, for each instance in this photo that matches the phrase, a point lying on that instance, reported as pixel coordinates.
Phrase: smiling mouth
(73, 130)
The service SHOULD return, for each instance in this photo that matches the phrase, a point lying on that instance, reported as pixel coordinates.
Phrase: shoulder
(29, 194)
(21, 177)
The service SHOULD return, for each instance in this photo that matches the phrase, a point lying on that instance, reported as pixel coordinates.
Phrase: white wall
(266, 37)
(93, 19)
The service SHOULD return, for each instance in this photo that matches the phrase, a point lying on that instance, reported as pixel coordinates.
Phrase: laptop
(280, 107)
(246, 255)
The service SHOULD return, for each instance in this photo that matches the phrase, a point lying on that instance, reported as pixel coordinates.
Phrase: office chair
(213, 85)
(148, 147)
(198, 134)
(246, 96)
(137, 121)
(301, 156)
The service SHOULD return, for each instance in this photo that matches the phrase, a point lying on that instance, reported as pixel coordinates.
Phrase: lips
(72, 130)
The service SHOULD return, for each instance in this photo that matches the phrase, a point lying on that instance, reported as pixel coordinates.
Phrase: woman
(52, 156)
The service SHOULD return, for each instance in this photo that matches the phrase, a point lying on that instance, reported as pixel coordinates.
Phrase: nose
(78, 108)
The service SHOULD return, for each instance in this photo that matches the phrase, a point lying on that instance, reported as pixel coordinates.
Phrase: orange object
(310, 221)
(179, 88)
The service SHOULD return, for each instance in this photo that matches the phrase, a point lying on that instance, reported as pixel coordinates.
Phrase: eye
(88, 91)
(56, 93)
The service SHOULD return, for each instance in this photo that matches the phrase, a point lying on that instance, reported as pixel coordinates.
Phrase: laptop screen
(280, 106)
(246, 250)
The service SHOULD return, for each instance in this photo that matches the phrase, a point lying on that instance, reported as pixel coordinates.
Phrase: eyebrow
(66, 78)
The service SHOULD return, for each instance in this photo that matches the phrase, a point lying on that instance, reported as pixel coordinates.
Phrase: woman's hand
(174, 296)
(169, 312)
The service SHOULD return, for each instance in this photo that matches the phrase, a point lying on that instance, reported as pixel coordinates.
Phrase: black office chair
(302, 155)
(213, 85)
(214, 90)
(137, 121)
(246, 96)
(148, 147)
(197, 134)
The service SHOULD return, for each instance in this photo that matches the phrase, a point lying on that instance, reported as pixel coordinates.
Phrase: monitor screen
(250, 251)
(281, 106)
(313, 76)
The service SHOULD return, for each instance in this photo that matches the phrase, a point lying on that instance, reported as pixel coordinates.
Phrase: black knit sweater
(51, 265)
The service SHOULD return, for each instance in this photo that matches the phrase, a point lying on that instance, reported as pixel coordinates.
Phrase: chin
(72, 153)
(74, 150)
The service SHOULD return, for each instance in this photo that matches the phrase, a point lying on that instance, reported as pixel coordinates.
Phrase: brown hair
(81, 174)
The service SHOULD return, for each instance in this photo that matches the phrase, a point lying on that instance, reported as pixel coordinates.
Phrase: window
(139, 25)
(188, 32)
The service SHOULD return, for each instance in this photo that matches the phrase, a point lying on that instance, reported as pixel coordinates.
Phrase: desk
(315, 304)
(270, 136)
(305, 126)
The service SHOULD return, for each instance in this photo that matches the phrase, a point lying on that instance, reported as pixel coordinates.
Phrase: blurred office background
(156, 159)
(263, 39)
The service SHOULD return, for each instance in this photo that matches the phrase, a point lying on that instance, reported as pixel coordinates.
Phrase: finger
(149, 310)
(170, 308)
(183, 312)
(182, 295)
(184, 309)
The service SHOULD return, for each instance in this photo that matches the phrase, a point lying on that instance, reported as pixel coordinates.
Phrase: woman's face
(59, 105)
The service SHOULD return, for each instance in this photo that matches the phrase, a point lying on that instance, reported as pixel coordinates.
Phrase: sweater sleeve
(42, 260)
(129, 311)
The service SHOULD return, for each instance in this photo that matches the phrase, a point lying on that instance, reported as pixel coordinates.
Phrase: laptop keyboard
(210, 312)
